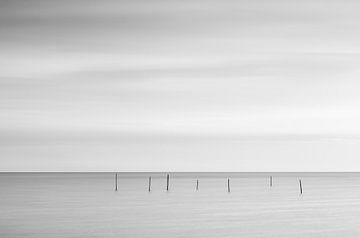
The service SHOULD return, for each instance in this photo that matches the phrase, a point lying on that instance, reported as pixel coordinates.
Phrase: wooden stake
(228, 185)
(270, 181)
(116, 182)
(301, 190)
(149, 183)
(167, 182)
(197, 185)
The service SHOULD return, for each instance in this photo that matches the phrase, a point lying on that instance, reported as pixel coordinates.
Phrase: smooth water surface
(87, 205)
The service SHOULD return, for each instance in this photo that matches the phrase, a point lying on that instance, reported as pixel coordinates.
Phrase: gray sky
(179, 85)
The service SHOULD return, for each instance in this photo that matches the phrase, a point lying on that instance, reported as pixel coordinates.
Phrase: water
(86, 205)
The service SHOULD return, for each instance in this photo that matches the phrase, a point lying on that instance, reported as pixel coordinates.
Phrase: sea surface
(46, 205)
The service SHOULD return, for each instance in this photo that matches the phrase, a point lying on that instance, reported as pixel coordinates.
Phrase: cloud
(189, 69)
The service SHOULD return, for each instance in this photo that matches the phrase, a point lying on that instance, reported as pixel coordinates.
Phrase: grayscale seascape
(49, 205)
(213, 95)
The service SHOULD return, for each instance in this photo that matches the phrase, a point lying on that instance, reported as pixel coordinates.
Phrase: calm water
(86, 205)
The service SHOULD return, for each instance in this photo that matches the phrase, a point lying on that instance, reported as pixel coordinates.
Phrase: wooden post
(228, 185)
(197, 185)
(167, 182)
(301, 191)
(270, 181)
(116, 182)
(149, 183)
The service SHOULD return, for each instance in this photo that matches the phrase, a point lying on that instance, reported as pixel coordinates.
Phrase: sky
(117, 85)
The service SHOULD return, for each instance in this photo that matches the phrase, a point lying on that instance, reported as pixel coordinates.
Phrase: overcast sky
(139, 85)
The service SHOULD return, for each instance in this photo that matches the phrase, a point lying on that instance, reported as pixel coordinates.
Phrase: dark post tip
(149, 183)
(167, 182)
(116, 181)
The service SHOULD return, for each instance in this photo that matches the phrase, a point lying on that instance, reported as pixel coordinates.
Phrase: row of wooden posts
(197, 183)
